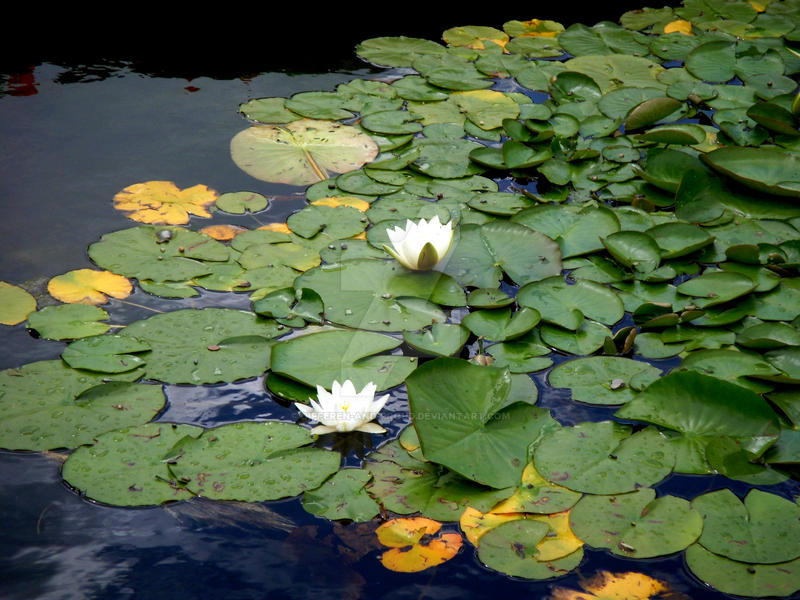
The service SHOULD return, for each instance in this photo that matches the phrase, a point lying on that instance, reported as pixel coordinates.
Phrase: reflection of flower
(344, 409)
(420, 246)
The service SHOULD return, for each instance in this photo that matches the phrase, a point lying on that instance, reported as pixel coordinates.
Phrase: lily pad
(69, 419)
(636, 525)
(408, 553)
(239, 203)
(15, 304)
(763, 529)
(742, 579)
(396, 51)
(127, 467)
(253, 462)
(501, 325)
(343, 497)
(68, 321)
(483, 253)
(442, 339)
(512, 547)
(210, 345)
(479, 438)
(606, 380)
(381, 295)
(703, 408)
(105, 353)
(302, 152)
(604, 457)
(764, 170)
(157, 254)
(566, 305)
(340, 355)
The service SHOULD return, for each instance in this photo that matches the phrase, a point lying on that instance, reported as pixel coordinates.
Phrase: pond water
(73, 137)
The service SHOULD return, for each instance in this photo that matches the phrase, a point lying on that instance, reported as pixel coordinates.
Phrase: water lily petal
(371, 427)
(321, 429)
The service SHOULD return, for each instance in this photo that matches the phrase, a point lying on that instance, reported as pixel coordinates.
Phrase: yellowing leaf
(527, 493)
(473, 36)
(279, 227)
(162, 202)
(559, 540)
(534, 28)
(359, 236)
(350, 201)
(87, 286)
(474, 523)
(223, 233)
(410, 553)
(615, 586)
(679, 26)
(15, 304)
(758, 6)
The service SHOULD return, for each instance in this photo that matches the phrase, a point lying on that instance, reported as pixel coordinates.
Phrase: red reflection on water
(191, 88)
(22, 84)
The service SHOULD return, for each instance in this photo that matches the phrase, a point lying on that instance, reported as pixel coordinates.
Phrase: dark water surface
(73, 136)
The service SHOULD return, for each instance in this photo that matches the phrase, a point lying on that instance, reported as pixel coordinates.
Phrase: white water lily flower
(420, 246)
(343, 409)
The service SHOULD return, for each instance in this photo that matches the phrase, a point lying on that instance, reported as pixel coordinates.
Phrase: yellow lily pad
(559, 541)
(679, 26)
(409, 552)
(223, 233)
(15, 304)
(162, 202)
(537, 495)
(533, 28)
(474, 36)
(279, 227)
(88, 286)
(350, 201)
(474, 523)
(616, 586)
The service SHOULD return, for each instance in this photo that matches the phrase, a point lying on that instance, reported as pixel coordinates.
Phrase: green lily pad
(343, 497)
(157, 254)
(616, 70)
(336, 221)
(604, 458)
(774, 117)
(483, 253)
(605, 380)
(636, 525)
(666, 168)
(127, 467)
(768, 336)
(501, 325)
(742, 579)
(488, 298)
(396, 51)
(68, 321)
(586, 339)
(74, 414)
(577, 231)
(301, 152)
(268, 110)
(524, 355)
(380, 295)
(210, 345)
(319, 105)
(679, 239)
(406, 485)
(415, 88)
(566, 305)
(712, 61)
(480, 438)
(442, 339)
(634, 249)
(340, 355)
(451, 72)
(650, 111)
(511, 549)
(105, 353)
(732, 365)
(683, 134)
(391, 122)
(703, 408)
(238, 203)
(761, 169)
(763, 529)
(446, 159)
(717, 287)
(253, 462)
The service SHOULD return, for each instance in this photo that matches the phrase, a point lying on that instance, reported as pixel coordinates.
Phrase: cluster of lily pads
(622, 194)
